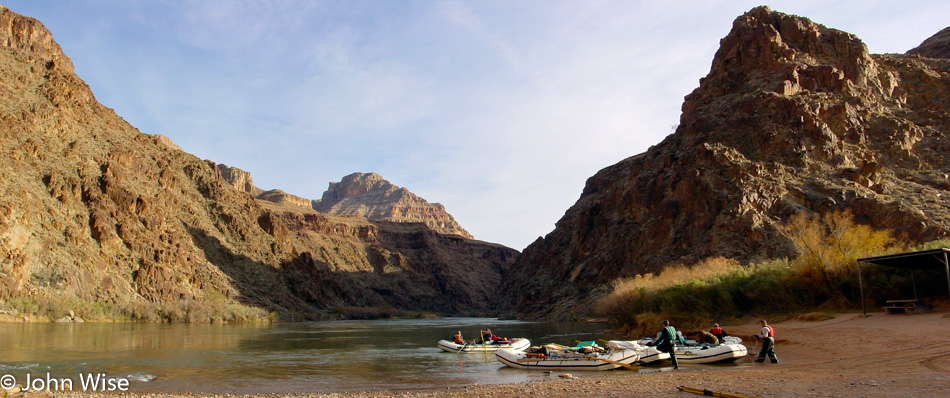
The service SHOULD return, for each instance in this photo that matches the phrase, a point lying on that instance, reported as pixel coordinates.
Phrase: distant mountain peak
(371, 196)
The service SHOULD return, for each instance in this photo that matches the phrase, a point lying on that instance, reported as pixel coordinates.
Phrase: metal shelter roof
(923, 259)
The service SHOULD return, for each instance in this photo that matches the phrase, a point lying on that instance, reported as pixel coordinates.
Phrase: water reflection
(279, 358)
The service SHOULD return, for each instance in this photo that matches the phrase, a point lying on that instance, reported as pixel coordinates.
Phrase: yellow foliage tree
(830, 244)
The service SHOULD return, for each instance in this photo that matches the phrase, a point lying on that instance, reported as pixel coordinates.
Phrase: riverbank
(849, 355)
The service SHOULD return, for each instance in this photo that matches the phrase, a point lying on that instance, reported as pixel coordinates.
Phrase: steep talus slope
(93, 211)
(369, 195)
(793, 117)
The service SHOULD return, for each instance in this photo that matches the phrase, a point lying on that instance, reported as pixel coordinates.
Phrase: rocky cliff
(281, 197)
(937, 46)
(369, 195)
(348, 261)
(96, 216)
(792, 117)
(239, 179)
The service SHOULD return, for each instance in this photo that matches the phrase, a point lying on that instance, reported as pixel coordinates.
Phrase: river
(312, 357)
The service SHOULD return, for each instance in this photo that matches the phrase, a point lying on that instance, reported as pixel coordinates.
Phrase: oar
(628, 366)
(711, 393)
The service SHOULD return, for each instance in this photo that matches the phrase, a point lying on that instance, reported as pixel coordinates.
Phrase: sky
(499, 110)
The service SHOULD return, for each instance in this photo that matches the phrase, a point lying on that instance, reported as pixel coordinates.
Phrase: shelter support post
(913, 281)
(864, 308)
(946, 265)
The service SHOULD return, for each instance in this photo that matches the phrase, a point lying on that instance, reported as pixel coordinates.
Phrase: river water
(316, 357)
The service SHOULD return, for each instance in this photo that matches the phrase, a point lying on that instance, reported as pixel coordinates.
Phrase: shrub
(823, 276)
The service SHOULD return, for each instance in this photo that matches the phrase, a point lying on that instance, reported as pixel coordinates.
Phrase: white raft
(559, 357)
(729, 351)
(519, 344)
(650, 355)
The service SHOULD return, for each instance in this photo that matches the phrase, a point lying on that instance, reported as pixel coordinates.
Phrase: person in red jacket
(458, 338)
(768, 342)
(718, 332)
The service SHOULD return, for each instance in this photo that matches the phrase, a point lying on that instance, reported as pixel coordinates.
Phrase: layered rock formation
(239, 179)
(792, 117)
(281, 197)
(349, 261)
(365, 195)
(93, 211)
(369, 195)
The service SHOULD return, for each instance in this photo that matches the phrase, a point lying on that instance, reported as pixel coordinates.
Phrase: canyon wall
(95, 214)
(793, 117)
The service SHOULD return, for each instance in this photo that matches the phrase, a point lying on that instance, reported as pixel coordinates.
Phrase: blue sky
(500, 110)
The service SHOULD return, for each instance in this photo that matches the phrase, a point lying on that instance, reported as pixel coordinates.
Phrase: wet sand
(847, 356)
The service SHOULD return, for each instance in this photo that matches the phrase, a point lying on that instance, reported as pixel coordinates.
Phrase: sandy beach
(847, 356)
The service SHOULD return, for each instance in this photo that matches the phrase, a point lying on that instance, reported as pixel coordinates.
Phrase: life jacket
(535, 355)
(716, 331)
(458, 340)
(771, 331)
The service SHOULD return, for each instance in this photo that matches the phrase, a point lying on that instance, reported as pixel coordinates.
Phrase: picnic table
(904, 306)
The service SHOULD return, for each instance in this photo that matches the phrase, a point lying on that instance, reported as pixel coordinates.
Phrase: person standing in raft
(718, 332)
(768, 342)
(667, 342)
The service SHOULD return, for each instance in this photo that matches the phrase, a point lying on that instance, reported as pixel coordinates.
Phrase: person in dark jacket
(667, 342)
(487, 336)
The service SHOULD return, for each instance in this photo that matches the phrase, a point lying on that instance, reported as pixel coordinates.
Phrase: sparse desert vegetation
(822, 278)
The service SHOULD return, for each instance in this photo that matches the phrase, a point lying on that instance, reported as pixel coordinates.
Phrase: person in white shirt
(768, 342)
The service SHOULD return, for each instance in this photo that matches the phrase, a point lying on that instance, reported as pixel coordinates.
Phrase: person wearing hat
(667, 342)
(718, 332)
